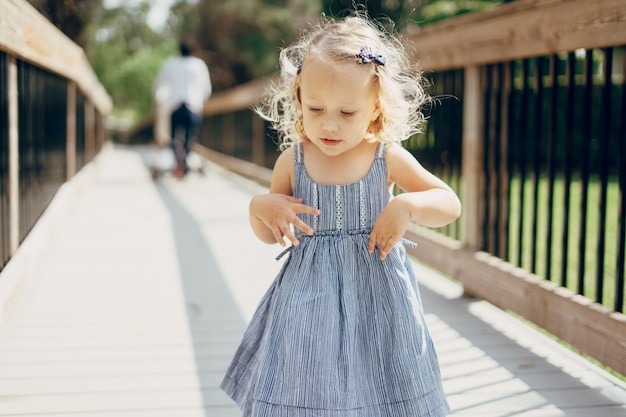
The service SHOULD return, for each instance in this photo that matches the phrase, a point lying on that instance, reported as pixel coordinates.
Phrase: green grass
(590, 256)
(590, 259)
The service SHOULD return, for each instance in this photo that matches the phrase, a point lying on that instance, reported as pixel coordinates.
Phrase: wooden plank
(90, 125)
(587, 326)
(71, 131)
(113, 401)
(523, 28)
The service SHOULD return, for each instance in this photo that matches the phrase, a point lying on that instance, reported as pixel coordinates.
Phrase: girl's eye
(347, 113)
(315, 109)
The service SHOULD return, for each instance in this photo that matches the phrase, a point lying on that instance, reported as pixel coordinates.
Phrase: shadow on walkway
(496, 366)
(215, 322)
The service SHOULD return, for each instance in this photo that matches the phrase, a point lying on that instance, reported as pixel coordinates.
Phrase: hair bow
(367, 57)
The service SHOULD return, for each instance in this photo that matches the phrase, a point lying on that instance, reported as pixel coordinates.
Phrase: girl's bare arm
(426, 200)
(272, 215)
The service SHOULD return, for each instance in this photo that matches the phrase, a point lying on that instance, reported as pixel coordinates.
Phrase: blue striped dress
(339, 333)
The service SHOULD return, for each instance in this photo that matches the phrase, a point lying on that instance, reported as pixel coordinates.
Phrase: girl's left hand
(389, 228)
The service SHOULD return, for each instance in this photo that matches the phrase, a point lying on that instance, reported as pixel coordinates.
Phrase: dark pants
(185, 129)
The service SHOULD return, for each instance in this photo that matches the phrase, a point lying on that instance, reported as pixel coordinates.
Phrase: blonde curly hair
(399, 86)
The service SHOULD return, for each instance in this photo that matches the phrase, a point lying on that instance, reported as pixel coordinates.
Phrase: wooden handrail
(520, 29)
(27, 35)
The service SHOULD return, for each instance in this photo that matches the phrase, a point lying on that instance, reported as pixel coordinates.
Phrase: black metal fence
(42, 108)
(42, 141)
(554, 165)
(439, 147)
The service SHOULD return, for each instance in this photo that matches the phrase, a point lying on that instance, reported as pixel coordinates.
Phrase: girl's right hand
(278, 212)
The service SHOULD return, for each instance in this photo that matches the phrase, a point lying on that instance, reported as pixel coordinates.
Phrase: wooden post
(70, 152)
(228, 134)
(99, 130)
(14, 159)
(90, 138)
(258, 140)
(472, 159)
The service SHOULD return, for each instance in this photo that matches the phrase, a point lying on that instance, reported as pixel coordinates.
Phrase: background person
(181, 88)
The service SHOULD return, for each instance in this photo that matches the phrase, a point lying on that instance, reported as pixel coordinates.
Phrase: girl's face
(338, 104)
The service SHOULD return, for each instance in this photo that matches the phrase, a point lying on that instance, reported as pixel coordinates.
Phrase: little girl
(341, 331)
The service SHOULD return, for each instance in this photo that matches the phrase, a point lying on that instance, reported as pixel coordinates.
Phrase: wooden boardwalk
(135, 293)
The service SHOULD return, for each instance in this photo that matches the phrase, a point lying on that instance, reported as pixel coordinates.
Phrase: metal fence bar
(567, 164)
(584, 168)
(551, 159)
(620, 287)
(604, 140)
(522, 124)
(536, 141)
(510, 132)
(456, 148)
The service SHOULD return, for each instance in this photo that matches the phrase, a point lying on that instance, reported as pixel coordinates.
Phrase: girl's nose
(330, 124)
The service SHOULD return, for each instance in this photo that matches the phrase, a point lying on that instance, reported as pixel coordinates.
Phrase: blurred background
(126, 41)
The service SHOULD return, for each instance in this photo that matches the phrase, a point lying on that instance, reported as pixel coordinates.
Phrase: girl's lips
(330, 142)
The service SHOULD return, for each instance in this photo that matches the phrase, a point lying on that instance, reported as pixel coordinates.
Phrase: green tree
(398, 14)
(71, 16)
(436, 10)
(393, 14)
(126, 54)
(241, 38)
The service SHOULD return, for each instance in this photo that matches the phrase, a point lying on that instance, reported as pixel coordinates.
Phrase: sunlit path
(136, 306)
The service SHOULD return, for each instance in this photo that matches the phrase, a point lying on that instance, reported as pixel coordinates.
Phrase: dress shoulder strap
(297, 152)
(381, 151)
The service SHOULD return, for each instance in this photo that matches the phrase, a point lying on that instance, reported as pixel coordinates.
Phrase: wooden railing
(52, 110)
(488, 46)
(477, 58)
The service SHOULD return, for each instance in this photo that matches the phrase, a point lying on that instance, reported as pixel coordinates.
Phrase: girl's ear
(377, 112)
(376, 123)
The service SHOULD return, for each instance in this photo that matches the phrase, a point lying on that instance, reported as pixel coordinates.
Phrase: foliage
(393, 14)
(435, 11)
(240, 39)
(71, 16)
(126, 54)
(400, 14)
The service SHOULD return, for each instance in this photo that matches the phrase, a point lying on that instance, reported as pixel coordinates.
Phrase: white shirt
(183, 79)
